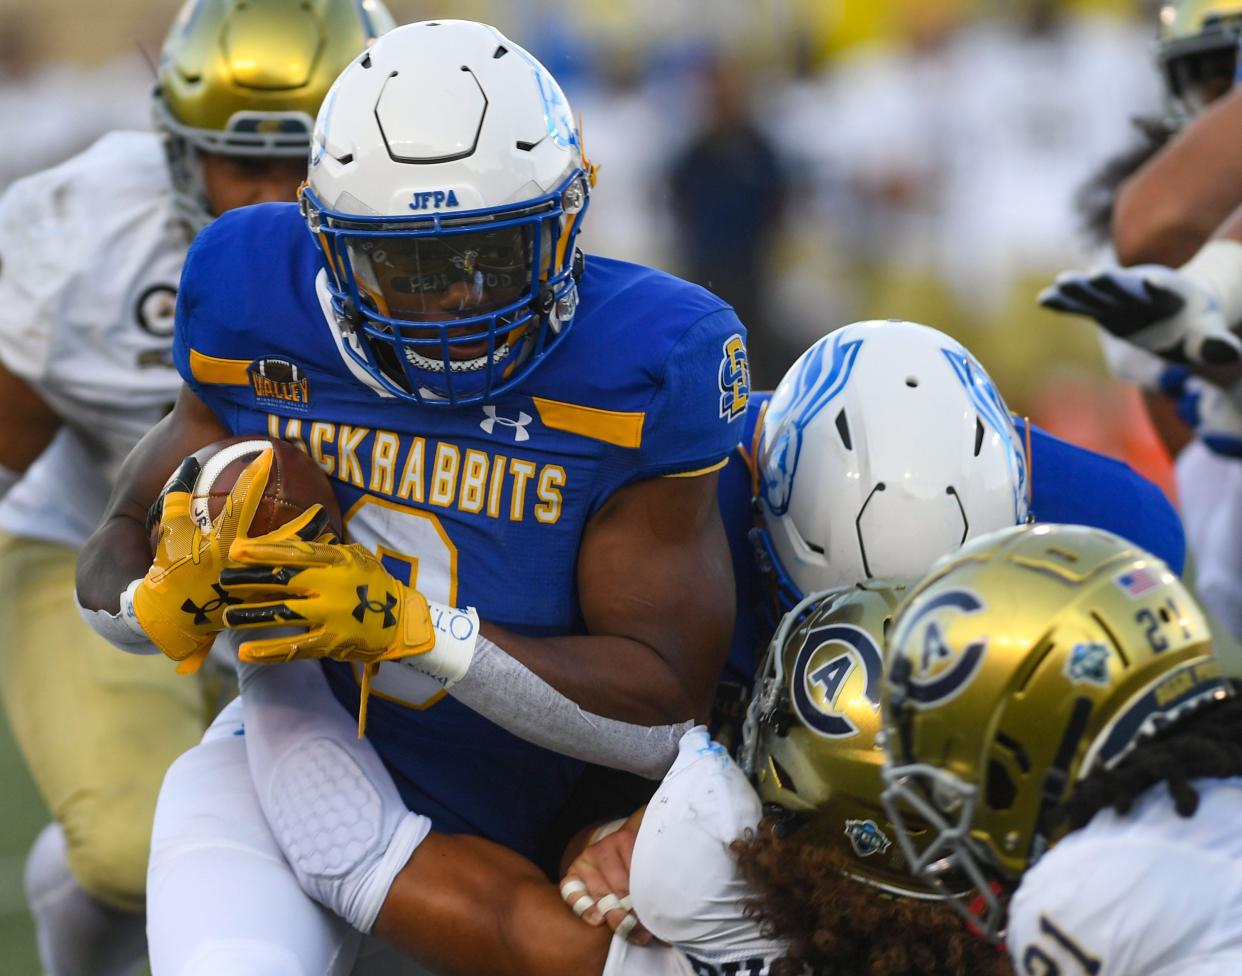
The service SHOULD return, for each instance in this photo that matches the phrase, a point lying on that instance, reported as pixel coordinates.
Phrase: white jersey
(90, 257)
(1149, 893)
(1210, 489)
(684, 882)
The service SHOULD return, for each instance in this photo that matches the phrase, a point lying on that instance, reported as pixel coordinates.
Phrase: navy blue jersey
(1069, 484)
(479, 506)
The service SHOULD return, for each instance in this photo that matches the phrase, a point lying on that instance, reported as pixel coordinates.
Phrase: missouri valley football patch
(278, 382)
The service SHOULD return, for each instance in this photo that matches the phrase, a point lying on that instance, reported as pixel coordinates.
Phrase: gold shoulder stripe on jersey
(620, 427)
(221, 372)
(700, 471)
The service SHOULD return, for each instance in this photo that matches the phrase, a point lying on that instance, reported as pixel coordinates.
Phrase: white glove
(1213, 413)
(1180, 314)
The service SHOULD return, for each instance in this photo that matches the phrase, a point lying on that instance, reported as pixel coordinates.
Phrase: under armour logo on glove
(520, 433)
(201, 613)
(376, 606)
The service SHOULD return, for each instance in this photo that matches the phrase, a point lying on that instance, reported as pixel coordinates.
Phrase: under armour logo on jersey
(200, 613)
(375, 606)
(520, 432)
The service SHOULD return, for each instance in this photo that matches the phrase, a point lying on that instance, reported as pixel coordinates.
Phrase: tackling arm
(119, 551)
(29, 426)
(466, 905)
(1172, 205)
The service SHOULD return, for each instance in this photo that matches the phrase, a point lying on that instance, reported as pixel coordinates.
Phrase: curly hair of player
(1095, 199)
(838, 924)
(1206, 744)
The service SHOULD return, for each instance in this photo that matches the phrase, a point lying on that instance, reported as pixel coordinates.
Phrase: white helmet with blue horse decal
(885, 446)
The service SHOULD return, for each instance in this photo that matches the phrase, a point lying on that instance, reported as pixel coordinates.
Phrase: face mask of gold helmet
(1024, 661)
(1196, 52)
(809, 743)
(245, 78)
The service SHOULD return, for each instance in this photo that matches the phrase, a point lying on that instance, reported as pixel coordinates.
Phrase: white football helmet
(447, 185)
(885, 446)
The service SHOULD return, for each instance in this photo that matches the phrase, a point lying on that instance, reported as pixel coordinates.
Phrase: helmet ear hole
(912, 381)
(1000, 791)
(843, 428)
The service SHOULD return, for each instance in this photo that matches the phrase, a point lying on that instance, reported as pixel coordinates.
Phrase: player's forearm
(114, 556)
(1173, 204)
(28, 428)
(120, 551)
(114, 559)
(464, 905)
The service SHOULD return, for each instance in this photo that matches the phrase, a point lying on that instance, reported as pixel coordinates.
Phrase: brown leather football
(295, 483)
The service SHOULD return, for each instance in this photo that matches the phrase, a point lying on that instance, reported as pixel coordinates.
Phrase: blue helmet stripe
(988, 402)
(813, 389)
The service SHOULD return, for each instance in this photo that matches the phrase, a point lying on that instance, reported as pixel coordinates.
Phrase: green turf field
(22, 816)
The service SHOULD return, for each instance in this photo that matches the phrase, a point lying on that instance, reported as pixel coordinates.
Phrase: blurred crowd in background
(815, 162)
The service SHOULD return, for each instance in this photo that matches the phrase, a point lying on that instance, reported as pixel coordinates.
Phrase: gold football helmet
(809, 741)
(1022, 662)
(1196, 52)
(246, 77)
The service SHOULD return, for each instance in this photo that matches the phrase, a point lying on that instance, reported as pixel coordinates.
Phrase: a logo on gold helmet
(866, 837)
(931, 671)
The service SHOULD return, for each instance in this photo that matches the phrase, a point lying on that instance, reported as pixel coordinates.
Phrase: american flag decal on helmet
(1138, 581)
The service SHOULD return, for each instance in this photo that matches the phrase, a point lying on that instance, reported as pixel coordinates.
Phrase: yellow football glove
(180, 603)
(351, 607)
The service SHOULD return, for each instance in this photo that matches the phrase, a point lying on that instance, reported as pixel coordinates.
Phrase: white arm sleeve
(8, 478)
(502, 689)
(483, 676)
(120, 629)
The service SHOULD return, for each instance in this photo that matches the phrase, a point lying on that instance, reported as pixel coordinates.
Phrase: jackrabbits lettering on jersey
(480, 505)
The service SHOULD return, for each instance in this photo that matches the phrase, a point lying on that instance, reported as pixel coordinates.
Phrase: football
(296, 482)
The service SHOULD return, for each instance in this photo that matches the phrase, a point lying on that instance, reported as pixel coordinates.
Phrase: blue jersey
(1073, 485)
(1069, 484)
(479, 506)
(755, 621)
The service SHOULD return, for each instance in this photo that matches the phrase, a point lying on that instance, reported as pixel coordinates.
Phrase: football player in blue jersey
(525, 444)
